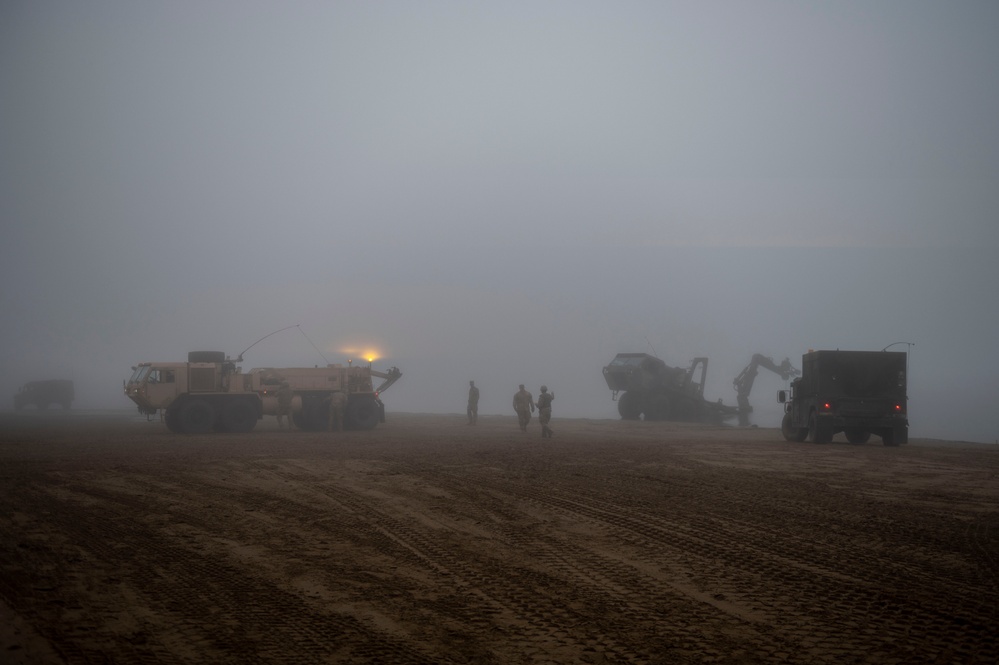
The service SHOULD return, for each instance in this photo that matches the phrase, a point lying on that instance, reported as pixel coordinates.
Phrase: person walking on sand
(473, 403)
(545, 400)
(338, 406)
(285, 395)
(523, 404)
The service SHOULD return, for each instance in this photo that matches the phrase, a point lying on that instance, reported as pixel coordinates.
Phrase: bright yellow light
(369, 353)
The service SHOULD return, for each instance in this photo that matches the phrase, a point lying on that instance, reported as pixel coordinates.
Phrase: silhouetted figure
(545, 400)
(523, 404)
(473, 403)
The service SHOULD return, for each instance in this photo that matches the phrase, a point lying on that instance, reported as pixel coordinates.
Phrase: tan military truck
(210, 392)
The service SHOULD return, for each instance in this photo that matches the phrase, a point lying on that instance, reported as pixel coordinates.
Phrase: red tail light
(827, 406)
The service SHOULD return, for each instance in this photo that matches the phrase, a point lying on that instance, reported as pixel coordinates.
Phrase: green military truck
(859, 393)
(44, 393)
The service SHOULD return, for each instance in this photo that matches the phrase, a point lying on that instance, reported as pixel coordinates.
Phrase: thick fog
(508, 192)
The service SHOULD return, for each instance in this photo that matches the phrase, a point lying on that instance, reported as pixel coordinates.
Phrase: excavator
(744, 382)
(651, 389)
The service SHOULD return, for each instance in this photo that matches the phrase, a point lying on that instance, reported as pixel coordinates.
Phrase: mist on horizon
(504, 193)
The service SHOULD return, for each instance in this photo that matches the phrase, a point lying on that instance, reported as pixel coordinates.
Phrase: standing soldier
(285, 395)
(473, 403)
(523, 404)
(545, 411)
(338, 405)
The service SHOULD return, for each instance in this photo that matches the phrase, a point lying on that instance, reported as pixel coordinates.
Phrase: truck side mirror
(781, 396)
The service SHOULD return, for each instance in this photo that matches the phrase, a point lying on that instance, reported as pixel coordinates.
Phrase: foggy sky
(506, 192)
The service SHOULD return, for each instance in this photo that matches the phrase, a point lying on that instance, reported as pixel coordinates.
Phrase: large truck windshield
(140, 374)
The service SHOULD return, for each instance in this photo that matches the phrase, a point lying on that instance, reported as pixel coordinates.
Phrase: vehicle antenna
(651, 347)
(240, 358)
(314, 346)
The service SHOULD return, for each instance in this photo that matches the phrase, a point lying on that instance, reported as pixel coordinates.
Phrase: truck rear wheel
(197, 417)
(817, 432)
(791, 433)
(363, 413)
(895, 437)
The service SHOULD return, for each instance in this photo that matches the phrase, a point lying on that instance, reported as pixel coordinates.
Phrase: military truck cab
(859, 393)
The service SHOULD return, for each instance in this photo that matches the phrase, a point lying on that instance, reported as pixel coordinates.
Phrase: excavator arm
(744, 382)
(391, 376)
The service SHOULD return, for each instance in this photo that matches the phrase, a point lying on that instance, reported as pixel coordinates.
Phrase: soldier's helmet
(522, 386)
(544, 389)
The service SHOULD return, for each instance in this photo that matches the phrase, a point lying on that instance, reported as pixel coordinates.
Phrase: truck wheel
(894, 437)
(197, 417)
(172, 419)
(362, 413)
(791, 433)
(857, 436)
(629, 406)
(206, 356)
(817, 433)
(239, 416)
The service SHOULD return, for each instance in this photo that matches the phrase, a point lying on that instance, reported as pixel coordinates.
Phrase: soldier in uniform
(523, 404)
(473, 403)
(545, 411)
(338, 406)
(285, 395)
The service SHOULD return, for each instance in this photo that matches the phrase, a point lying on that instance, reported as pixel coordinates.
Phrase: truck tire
(816, 432)
(895, 437)
(857, 436)
(206, 356)
(362, 413)
(239, 415)
(197, 417)
(629, 405)
(791, 433)
(172, 419)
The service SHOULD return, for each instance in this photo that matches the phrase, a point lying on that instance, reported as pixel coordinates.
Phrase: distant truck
(652, 389)
(44, 393)
(859, 393)
(211, 393)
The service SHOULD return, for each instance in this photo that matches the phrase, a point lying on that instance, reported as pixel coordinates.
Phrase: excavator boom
(743, 383)
(391, 376)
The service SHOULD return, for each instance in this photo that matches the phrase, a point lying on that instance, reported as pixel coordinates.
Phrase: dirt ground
(429, 541)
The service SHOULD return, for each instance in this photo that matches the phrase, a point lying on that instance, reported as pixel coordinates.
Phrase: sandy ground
(429, 541)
